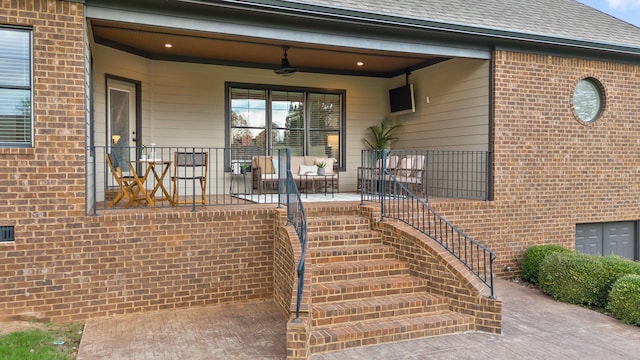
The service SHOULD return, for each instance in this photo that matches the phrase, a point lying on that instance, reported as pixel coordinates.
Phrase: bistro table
(159, 168)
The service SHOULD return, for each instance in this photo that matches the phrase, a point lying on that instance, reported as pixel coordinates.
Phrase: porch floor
(534, 327)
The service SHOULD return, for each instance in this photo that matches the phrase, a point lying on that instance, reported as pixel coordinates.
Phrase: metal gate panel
(589, 238)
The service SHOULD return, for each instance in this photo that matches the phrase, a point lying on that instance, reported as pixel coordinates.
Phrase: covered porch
(206, 80)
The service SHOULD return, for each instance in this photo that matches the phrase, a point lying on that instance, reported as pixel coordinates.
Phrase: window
(588, 100)
(15, 88)
(308, 122)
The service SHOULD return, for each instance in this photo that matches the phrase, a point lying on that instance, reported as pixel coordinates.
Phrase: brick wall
(125, 262)
(43, 187)
(445, 275)
(286, 254)
(550, 170)
(47, 181)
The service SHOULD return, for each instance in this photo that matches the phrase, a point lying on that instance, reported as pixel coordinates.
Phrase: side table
(235, 177)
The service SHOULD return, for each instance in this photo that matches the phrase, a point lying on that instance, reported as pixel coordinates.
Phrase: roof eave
(361, 17)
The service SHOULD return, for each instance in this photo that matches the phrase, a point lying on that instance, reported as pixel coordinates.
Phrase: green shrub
(574, 278)
(615, 267)
(532, 258)
(624, 299)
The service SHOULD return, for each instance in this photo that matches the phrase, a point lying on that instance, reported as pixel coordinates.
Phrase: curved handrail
(399, 202)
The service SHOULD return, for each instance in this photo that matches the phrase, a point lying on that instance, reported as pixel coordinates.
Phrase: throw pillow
(308, 170)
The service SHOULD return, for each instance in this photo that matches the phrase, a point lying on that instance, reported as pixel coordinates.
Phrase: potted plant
(321, 167)
(244, 168)
(382, 135)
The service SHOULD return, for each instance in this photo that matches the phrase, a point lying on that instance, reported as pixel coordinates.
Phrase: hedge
(533, 257)
(615, 267)
(574, 278)
(583, 279)
(624, 299)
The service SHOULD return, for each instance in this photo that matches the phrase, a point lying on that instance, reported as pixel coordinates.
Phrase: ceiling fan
(285, 68)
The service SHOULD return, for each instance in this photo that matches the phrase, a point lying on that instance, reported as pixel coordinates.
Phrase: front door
(122, 129)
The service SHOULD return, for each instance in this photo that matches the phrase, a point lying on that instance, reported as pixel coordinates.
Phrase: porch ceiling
(205, 47)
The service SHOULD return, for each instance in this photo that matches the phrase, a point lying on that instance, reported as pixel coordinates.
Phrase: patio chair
(372, 174)
(190, 167)
(410, 173)
(127, 186)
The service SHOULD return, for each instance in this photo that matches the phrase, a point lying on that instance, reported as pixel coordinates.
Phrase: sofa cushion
(296, 161)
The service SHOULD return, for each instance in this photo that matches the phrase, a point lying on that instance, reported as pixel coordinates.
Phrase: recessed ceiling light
(360, 63)
(168, 46)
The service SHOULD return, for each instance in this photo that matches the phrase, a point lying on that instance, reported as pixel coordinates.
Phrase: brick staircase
(362, 295)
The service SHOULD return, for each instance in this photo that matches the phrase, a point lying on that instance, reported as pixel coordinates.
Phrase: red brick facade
(134, 262)
(550, 172)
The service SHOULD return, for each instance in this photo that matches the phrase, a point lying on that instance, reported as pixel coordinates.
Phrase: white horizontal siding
(183, 103)
(456, 114)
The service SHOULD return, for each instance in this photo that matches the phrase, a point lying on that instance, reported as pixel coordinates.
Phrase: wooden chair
(190, 166)
(127, 186)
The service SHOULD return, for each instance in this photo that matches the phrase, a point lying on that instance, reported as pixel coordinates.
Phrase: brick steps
(337, 223)
(361, 294)
(353, 270)
(345, 336)
(362, 288)
(343, 238)
(382, 307)
(351, 253)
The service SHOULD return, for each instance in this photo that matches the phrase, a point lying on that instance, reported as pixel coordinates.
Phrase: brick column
(298, 334)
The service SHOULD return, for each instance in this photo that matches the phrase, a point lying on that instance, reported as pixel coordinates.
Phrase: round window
(588, 100)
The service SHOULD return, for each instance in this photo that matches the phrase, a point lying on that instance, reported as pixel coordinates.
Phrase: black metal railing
(398, 201)
(296, 216)
(225, 180)
(429, 173)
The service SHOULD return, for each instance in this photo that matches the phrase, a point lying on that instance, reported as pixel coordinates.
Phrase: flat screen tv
(401, 100)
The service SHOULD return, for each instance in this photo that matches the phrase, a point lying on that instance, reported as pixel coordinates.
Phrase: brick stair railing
(362, 295)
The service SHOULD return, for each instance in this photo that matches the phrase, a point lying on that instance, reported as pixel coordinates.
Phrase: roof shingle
(565, 19)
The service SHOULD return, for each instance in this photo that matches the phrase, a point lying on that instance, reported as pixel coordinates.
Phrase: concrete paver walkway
(250, 331)
(534, 327)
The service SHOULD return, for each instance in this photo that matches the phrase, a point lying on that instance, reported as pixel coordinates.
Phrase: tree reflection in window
(588, 100)
(306, 122)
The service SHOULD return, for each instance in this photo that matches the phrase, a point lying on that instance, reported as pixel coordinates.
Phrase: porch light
(115, 139)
